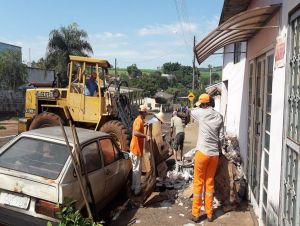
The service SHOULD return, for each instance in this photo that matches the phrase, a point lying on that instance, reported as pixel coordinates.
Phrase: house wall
(237, 76)
(277, 121)
(262, 42)
(236, 103)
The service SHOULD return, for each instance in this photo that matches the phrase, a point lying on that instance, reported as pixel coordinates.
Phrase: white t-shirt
(177, 124)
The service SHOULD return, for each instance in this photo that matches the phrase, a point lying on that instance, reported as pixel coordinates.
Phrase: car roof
(56, 133)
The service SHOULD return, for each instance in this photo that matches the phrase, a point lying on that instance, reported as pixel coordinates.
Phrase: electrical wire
(181, 25)
(151, 59)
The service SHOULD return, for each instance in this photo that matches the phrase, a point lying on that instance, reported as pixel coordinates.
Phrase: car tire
(118, 132)
(45, 119)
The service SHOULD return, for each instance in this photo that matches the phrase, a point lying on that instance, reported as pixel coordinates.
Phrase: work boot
(210, 219)
(194, 218)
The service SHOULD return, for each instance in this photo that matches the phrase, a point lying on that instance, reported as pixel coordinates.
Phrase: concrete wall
(11, 101)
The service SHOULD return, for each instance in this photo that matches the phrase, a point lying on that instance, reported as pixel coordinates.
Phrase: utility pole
(115, 66)
(210, 68)
(193, 84)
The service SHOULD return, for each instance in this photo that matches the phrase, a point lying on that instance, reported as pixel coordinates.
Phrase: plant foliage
(12, 71)
(63, 42)
(69, 215)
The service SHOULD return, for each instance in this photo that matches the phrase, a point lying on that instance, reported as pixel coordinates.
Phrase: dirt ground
(168, 207)
(172, 208)
(8, 127)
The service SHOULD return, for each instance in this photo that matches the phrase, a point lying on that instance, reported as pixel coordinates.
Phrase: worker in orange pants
(204, 173)
(209, 142)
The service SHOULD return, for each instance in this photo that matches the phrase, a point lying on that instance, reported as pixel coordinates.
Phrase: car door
(114, 175)
(95, 170)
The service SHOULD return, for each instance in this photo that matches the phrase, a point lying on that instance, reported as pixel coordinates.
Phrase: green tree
(12, 71)
(170, 68)
(41, 63)
(133, 71)
(215, 77)
(63, 42)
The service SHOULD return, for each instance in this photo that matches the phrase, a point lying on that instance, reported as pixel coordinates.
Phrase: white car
(36, 173)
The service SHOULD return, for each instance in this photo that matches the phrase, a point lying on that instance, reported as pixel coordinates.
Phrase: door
(259, 130)
(94, 167)
(114, 174)
(290, 188)
(255, 164)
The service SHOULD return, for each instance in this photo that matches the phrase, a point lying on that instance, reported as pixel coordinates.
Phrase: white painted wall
(237, 76)
(236, 102)
(151, 104)
(277, 121)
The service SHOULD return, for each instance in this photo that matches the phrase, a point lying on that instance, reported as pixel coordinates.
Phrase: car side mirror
(124, 155)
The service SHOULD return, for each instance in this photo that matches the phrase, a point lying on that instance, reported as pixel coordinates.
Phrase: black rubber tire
(119, 133)
(45, 119)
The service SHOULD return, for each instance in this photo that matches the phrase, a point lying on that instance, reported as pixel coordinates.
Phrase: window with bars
(237, 52)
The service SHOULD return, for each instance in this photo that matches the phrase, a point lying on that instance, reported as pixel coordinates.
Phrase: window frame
(237, 52)
(117, 157)
(99, 153)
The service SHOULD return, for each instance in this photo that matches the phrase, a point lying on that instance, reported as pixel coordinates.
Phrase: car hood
(30, 185)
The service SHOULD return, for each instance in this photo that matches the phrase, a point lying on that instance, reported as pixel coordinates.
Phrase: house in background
(260, 99)
(5, 46)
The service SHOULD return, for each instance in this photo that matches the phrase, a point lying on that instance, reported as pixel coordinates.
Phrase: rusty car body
(36, 173)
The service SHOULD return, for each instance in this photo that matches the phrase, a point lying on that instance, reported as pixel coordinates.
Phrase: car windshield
(37, 157)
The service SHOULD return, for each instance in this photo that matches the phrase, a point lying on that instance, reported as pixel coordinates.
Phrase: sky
(142, 32)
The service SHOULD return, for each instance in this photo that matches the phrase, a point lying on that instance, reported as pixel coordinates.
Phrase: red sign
(280, 52)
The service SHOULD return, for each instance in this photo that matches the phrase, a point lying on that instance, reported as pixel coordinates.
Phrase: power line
(151, 59)
(180, 23)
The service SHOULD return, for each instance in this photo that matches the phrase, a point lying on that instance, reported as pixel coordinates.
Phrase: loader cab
(82, 72)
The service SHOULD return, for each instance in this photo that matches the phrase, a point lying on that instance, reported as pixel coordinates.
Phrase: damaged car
(37, 173)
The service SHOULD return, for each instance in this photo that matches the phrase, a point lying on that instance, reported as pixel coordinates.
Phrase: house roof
(238, 28)
(164, 95)
(233, 7)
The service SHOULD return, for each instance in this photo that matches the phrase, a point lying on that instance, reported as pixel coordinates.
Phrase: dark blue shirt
(92, 86)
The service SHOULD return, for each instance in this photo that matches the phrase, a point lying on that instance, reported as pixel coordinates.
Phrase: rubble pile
(230, 183)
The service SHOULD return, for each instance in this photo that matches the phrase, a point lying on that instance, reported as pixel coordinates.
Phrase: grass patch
(2, 127)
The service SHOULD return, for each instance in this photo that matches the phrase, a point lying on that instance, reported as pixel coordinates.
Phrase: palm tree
(64, 42)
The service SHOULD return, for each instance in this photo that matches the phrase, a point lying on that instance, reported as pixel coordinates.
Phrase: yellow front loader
(107, 111)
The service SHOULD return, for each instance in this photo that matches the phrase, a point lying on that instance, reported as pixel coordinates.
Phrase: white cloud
(167, 29)
(107, 35)
(141, 48)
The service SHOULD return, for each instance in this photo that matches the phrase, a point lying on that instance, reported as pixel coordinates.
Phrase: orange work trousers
(204, 172)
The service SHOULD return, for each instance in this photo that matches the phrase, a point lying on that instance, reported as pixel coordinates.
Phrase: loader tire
(45, 119)
(118, 132)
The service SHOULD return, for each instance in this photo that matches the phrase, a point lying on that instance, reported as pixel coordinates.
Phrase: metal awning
(233, 7)
(238, 28)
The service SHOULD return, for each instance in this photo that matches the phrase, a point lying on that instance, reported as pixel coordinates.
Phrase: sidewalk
(174, 210)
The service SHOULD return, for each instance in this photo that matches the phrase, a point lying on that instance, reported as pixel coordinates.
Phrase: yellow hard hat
(203, 99)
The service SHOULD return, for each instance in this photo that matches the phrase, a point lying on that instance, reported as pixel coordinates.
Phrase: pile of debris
(178, 178)
(230, 183)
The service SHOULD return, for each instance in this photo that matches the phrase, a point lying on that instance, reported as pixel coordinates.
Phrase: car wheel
(45, 119)
(119, 133)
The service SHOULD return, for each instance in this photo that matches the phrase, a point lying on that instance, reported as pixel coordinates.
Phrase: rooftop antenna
(29, 57)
